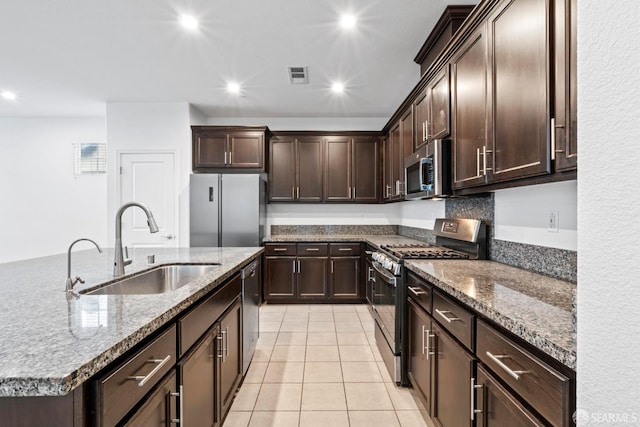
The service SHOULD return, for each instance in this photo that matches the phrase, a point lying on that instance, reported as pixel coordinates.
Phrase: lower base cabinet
(197, 373)
(344, 278)
(229, 356)
(160, 408)
(497, 407)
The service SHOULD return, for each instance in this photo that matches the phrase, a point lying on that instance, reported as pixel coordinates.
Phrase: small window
(90, 158)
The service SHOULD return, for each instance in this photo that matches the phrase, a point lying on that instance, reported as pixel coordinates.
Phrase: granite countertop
(52, 342)
(537, 308)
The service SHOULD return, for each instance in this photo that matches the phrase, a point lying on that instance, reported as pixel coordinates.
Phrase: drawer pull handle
(474, 411)
(280, 250)
(345, 249)
(416, 292)
(445, 317)
(143, 379)
(179, 395)
(499, 362)
(312, 249)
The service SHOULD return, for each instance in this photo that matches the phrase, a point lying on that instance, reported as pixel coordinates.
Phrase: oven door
(384, 303)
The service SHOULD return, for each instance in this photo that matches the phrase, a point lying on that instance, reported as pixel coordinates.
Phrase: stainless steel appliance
(250, 311)
(227, 209)
(428, 171)
(455, 239)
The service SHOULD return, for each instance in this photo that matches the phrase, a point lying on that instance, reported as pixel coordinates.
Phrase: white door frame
(176, 164)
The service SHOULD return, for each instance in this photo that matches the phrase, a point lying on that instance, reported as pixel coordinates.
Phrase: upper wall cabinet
(393, 164)
(228, 148)
(313, 167)
(501, 93)
(431, 110)
(565, 147)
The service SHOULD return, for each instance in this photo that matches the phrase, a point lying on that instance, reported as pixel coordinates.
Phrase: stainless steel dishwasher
(250, 311)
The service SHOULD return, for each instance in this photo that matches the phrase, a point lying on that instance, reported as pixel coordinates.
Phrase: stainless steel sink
(165, 278)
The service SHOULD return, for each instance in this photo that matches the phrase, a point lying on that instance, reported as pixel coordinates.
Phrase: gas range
(423, 251)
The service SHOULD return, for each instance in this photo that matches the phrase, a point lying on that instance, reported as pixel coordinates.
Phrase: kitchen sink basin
(165, 278)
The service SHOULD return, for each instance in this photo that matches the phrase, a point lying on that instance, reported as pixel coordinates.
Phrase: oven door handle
(388, 277)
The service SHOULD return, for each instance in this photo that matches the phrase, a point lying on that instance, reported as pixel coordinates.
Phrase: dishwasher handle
(384, 274)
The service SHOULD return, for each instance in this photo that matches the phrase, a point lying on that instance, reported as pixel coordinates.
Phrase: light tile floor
(318, 366)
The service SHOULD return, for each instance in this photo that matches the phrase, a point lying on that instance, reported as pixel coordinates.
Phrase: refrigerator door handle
(211, 194)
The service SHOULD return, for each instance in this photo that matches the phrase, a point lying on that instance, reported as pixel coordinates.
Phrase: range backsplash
(334, 229)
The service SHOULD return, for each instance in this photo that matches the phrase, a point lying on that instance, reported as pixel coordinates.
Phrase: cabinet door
(469, 110)
(407, 145)
(309, 169)
(421, 118)
(210, 150)
(566, 143)
(159, 407)
(337, 169)
(246, 150)
(420, 357)
(345, 278)
(366, 165)
(387, 179)
(439, 106)
(519, 91)
(369, 280)
(282, 176)
(397, 163)
(498, 407)
(230, 362)
(197, 377)
(454, 368)
(312, 277)
(279, 278)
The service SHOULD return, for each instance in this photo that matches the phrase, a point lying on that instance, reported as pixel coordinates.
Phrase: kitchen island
(52, 341)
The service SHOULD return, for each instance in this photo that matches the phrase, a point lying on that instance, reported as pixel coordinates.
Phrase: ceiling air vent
(298, 75)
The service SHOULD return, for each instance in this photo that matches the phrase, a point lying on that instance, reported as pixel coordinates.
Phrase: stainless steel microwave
(428, 171)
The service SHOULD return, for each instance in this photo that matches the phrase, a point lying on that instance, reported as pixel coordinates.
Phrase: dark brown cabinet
(345, 280)
(351, 169)
(228, 148)
(497, 407)
(393, 165)
(469, 110)
(159, 408)
(432, 110)
(564, 137)
(421, 354)
(229, 356)
(454, 369)
(519, 91)
(280, 278)
(296, 169)
(197, 373)
(311, 277)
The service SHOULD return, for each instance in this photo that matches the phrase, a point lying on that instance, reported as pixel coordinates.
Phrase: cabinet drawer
(545, 389)
(419, 291)
(196, 322)
(344, 249)
(280, 249)
(454, 318)
(119, 391)
(313, 249)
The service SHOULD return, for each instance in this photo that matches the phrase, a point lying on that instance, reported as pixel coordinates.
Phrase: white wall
(148, 127)
(608, 212)
(521, 215)
(44, 206)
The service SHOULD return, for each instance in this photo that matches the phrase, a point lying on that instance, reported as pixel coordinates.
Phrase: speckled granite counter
(536, 308)
(374, 239)
(52, 342)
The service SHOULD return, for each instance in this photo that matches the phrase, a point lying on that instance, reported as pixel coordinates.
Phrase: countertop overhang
(52, 341)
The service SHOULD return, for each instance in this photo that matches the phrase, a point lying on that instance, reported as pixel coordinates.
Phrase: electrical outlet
(552, 221)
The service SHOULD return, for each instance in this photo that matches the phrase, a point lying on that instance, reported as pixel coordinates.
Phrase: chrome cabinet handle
(179, 395)
(143, 379)
(445, 317)
(331, 266)
(484, 159)
(370, 274)
(294, 266)
(423, 331)
(416, 292)
(230, 157)
(389, 188)
(293, 192)
(298, 266)
(297, 192)
(345, 249)
(220, 338)
(474, 411)
(312, 249)
(477, 162)
(497, 359)
(354, 193)
(280, 249)
(226, 343)
(428, 348)
(225, 157)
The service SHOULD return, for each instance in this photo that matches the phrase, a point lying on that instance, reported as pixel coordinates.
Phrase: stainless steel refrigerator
(227, 209)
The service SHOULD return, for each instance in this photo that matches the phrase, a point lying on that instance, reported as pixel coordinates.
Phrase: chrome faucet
(71, 282)
(119, 262)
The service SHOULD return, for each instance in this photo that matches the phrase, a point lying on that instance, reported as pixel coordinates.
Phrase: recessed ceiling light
(233, 87)
(8, 95)
(189, 22)
(348, 21)
(337, 87)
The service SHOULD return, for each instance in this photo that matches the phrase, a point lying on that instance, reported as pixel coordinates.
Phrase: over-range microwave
(428, 171)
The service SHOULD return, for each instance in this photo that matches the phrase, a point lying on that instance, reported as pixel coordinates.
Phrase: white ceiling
(70, 57)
